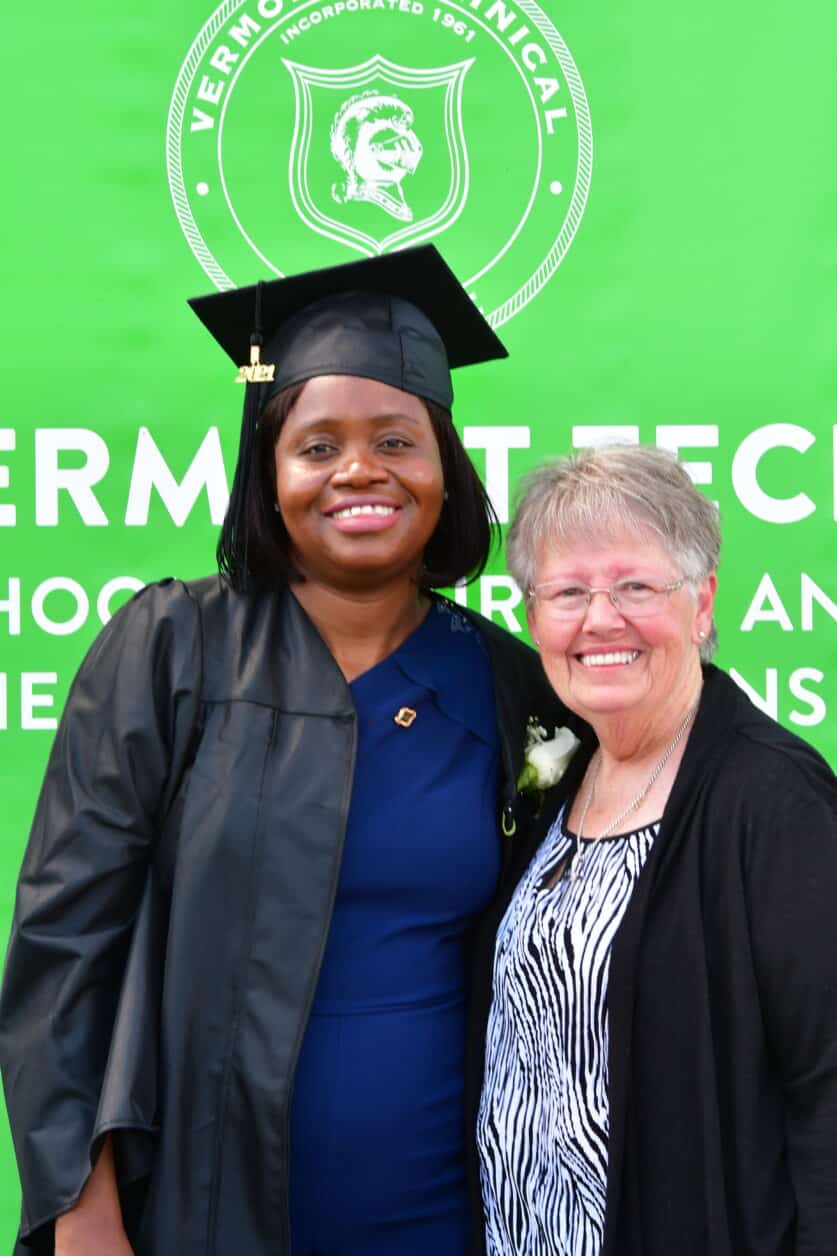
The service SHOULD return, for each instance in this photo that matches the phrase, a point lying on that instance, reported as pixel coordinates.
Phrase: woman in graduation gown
(233, 1011)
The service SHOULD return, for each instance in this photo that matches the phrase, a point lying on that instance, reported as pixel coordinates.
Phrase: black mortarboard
(403, 318)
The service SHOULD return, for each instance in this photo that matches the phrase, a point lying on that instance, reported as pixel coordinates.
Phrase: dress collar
(446, 656)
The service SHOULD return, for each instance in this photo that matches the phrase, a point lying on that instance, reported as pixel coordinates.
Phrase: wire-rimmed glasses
(563, 599)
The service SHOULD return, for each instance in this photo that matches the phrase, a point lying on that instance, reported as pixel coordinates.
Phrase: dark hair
(256, 553)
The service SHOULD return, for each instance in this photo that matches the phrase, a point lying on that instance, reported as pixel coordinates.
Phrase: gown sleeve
(85, 883)
(793, 893)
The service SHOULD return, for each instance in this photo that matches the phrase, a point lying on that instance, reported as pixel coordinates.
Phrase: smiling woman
(240, 950)
(402, 440)
(658, 989)
(616, 625)
(359, 479)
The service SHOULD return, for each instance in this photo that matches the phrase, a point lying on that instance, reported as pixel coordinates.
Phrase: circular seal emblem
(303, 133)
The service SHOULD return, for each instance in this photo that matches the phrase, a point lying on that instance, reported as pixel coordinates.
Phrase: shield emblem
(378, 156)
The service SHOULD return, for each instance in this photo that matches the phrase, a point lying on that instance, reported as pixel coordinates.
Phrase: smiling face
(603, 663)
(359, 481)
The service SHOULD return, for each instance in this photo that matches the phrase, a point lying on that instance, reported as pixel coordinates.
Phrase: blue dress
(377, 1152)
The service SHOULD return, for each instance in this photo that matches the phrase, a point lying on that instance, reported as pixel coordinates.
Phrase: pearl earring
(701, 635)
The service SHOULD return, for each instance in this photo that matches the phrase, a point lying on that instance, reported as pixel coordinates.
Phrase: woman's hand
(87, 1235)
(94, 1226)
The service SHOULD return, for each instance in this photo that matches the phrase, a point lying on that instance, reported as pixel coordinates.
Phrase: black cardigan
(722, 1001)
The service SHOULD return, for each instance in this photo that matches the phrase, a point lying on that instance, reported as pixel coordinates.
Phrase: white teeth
(605, 660)
(351, 511)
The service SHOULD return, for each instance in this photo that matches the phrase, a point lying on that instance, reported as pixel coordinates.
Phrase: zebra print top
(543, 1123)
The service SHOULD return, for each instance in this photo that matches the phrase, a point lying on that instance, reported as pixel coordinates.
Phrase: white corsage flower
(545, 759)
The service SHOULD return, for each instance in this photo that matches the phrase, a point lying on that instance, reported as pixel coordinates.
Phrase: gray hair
(635, 487)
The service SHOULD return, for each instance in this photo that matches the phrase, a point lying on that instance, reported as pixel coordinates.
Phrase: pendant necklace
(575, 867)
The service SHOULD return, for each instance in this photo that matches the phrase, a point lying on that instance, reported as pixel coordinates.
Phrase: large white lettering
(499, 595)
(11, 606)
(223, 60)
(31, 701)
(150, 470)
(201, 121)
(119, 584)
(499, 14)
(497, 441)
(745, 473)
(8, 513)
(817, 708)
(54, 446)
(811, 594)
(51, 479)
(766, 608)
(242, 30)
(767, 699)
(547, 88)
(53, 623)
(550, 117)
(532, 55)
(768, 702)
(675, 437)
(60, 627)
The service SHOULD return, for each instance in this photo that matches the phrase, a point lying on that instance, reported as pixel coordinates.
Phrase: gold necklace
(575, 867)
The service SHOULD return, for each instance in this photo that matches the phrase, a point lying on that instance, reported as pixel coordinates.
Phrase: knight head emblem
(372, 138)
(355, 144)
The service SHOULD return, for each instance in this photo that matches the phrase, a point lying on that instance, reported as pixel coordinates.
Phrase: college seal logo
(371, 135)
(303, 133)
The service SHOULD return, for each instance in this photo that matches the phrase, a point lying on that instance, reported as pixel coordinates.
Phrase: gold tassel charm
(257, 372)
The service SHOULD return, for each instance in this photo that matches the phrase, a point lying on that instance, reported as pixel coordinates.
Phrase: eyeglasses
(632, 598)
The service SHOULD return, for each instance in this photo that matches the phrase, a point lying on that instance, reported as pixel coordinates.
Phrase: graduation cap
(402, 318)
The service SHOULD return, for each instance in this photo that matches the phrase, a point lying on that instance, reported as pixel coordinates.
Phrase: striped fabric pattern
(543, 1123)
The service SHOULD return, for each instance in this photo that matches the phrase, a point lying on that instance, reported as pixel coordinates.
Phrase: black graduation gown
(722, 1001)
(173, 908)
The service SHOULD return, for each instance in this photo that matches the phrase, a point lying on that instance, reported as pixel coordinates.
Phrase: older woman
(233, 1014)
(661, 1061)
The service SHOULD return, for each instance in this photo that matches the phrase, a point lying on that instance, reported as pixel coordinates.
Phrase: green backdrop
(641, 198)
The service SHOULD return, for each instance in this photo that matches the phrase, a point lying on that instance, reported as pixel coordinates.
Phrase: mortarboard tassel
(232, 546)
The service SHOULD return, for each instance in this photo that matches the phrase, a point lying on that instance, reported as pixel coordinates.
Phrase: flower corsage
(545, 759)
